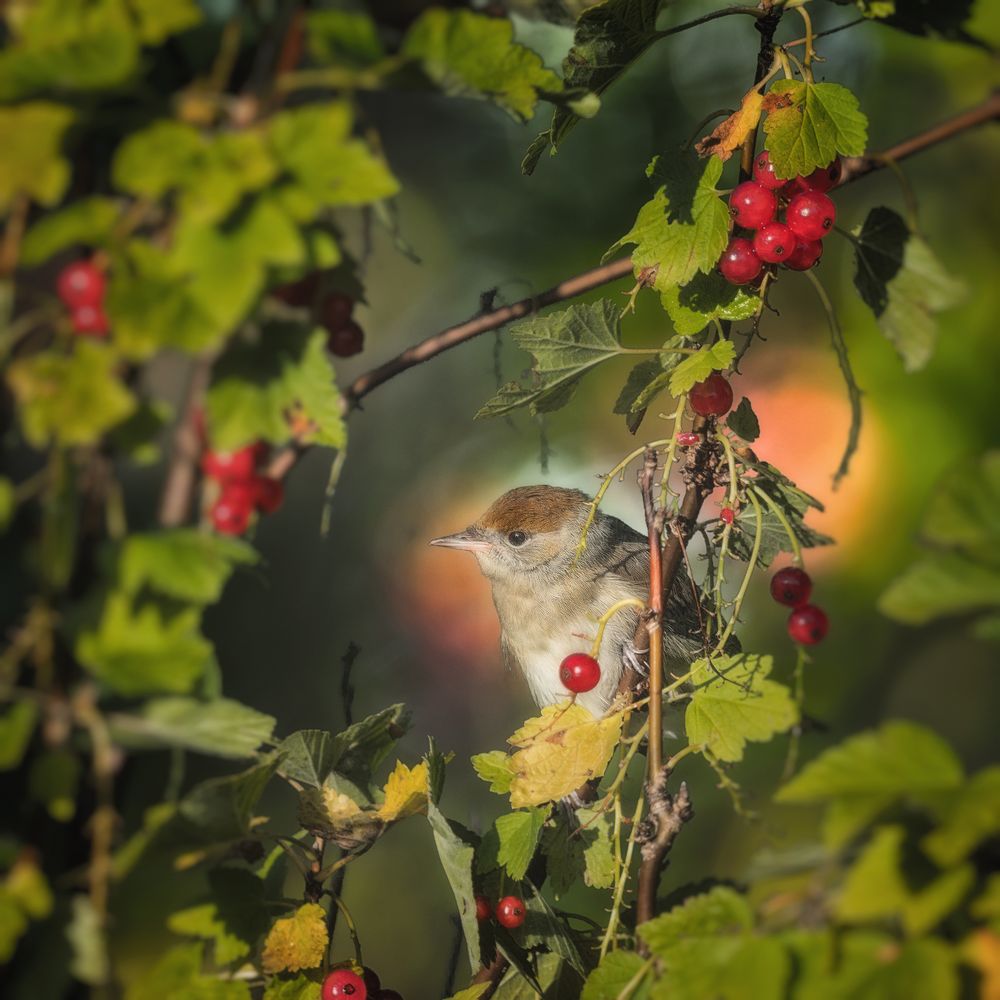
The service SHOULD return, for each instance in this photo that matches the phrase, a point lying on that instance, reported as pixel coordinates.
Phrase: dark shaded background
(419, 465)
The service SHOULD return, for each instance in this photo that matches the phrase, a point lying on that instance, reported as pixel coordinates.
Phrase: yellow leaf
(981, 949)
(405, 792)
(296, 942)
(334, 815)
(730, 134)
(558, 751)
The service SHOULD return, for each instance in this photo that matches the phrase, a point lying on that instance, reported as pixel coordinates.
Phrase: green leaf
(821, 120)
(939, 584)
(794, 505)
(904, 284)
(309, 755)
(562, 843)
(233, 919)
(69, 399)
(299, 988)
(53, 781)
(13, 925)
(31, 137)
(179, 974)
(898, 759)
(697, 367)
(137, 438)
(920, 17)
(17, 724)
(596, 833)
(220, 728)
(365, 744)
(565, 345)
(683, 229)
(719, 911)
(618, 969)
(743, 421)
(610, 35)
(343, 38)
(257, 387)
(740, 705)
(972, 817)
(157, 159)
(157, 20)
(706, 297)
(8, 503)
(494, 768)
(85, 222)
(219, 810)
(182, 563)
(328, 168)
(644, 383)
(986, 906)
(469, 54)
(964, 511)
(138, 650)
(518, 833)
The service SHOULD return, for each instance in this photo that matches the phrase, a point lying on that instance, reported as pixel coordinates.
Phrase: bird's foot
(636, 659)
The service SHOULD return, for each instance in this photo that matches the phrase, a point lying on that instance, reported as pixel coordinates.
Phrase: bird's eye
(517, 538)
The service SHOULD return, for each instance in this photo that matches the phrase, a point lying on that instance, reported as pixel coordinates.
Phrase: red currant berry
(80, 284)
(231, 512)
(805, 255)
(510, 912)
(483, 909)
(686, 439)
(346, 340)
(579, 673)
(774, 242)
(268, 493)
(711, 398)
(372, 982)
(752, 205)
(344, 983)
(791, 586)
(763, 172)
(726, 515)
(299, 293)
(823, 178)
(89, 321)
(808, 625)
(738, 263)
(335, 310)
(811, 215)
(226, 466)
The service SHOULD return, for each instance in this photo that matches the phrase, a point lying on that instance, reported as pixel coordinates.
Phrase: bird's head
(529, 530)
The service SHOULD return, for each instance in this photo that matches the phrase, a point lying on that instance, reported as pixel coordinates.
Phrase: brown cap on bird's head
(530, 509)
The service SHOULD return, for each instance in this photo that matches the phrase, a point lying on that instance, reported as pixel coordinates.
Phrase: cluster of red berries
(807, 624)
(333, 310)
(510, 911)
(81, 286)
(579, 673)
(241, 487)
(795, 242)
(346, 984)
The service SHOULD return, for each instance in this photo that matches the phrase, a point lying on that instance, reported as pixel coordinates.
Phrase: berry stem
(745, 585)
(780, 515)
(602, 622)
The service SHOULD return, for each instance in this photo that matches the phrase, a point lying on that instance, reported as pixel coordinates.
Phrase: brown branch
(653, 622)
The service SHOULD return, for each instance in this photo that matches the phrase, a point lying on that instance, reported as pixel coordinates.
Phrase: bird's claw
(635, 659)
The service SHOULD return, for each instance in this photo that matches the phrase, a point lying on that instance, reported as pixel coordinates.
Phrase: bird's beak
(470, 540)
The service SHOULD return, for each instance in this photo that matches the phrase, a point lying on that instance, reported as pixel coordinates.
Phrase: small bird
(549, 601)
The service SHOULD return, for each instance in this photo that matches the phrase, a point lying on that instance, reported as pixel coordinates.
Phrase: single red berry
(763, 172)
(344, 983)
(226, 466)
(805, 255)
(335, 310)
(791, 586)
(811, 215)
(299, 293)
(726, 515)
(80, 284)
(711, 398)
(346, 340)
(579, 673)
(483, 909)
(269, 493)
(510, 912)
(89, 321)
(231, 512)
(388, 995)
(738, 263)
(752, 205)
(372, 982)
(686, 439)
(808, 625)
(823, 178)
(774, 242)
